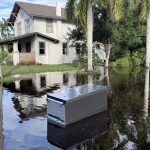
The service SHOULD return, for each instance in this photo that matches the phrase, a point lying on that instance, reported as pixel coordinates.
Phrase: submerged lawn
(12, 70)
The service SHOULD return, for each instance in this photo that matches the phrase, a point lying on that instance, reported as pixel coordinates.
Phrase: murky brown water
(125, 124)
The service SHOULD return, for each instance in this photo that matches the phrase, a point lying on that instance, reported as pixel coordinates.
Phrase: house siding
(53, 52)
(21, 17)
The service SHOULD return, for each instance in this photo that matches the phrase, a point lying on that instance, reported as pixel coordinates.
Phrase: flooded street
(125, 124)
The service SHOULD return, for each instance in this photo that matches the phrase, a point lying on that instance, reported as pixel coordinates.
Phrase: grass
(8, 79)
(12, 70)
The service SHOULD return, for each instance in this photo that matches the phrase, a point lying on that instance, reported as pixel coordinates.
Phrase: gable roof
(8, 41)
(36, 10)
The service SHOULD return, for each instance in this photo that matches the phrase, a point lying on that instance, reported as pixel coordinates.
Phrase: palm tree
(143, 9)
(83, 10)
(146, 93)
(1, 117)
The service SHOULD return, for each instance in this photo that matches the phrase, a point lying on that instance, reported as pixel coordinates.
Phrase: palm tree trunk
(146, 93)
(1, 118)
(90, 34)
(1, 76)
(148, 43)
(90, 78)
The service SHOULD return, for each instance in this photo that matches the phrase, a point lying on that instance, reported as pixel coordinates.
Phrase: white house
(40, 34)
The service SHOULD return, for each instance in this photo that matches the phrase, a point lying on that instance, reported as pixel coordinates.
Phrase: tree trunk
(148, 43)
(90, 35)
(108, 48)
(90, 78)
(1, 118)
(107, 77)
(146, 93)
(1, 76)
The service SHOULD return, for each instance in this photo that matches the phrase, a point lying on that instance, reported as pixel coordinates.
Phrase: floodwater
(124, 125)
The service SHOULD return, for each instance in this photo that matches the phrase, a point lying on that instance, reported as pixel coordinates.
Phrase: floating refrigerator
(74, 104)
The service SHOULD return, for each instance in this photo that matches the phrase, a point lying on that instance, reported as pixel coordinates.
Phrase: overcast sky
(7, 5)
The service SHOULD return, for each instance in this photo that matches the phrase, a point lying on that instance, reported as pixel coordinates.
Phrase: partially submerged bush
(3, 56)
(82, 61)
(129, 60)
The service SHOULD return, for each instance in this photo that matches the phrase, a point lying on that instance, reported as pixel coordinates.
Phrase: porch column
(5, 47)
(17, 85)
(1, 47)
(15, 54)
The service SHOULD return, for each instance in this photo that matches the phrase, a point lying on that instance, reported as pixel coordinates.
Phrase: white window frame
(19, 28)
(27, 25)
(40, 48)
(49, 25)
(65, 49)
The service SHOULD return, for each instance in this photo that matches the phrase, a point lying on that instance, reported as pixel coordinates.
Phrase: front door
(28, 47)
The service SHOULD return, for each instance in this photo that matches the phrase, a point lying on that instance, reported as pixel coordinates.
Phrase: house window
(19, 28)
(65, 78)
(19, 47)
(78, 49)
(27, 25)
(41, 48)
(49, 25)
(43, 81)
(65, 49)
(22, 14)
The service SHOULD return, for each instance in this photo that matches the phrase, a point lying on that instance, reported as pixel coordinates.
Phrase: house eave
(10, 41)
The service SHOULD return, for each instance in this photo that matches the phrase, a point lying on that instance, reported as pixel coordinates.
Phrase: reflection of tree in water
(1, 117)
(127, 124)
(25, 114)
(84, 78)
(31, 110)
(125, 113)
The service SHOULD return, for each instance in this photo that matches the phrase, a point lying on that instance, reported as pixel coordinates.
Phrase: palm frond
(116, 7)
(70, 10)
(144, 10)
(82, 13)
(100, 3)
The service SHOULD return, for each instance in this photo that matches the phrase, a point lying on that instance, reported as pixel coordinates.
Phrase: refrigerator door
(56, 111)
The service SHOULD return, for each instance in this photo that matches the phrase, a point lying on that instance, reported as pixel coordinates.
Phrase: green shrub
(129, 60)
(121, 62)
(3, 56)
(136, 59)
(82, 61)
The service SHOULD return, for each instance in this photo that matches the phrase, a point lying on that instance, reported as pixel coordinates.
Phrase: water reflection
(146, 93)
(1, 118)
(78, 134)
(128, 121)
(26, 100)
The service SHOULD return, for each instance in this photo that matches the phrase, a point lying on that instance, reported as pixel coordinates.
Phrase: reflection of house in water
(31, 93)
(79, 133)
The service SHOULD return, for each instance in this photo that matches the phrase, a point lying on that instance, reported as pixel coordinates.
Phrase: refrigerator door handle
(51, 100)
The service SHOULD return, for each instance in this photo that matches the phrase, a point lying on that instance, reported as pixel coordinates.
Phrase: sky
(7, 5)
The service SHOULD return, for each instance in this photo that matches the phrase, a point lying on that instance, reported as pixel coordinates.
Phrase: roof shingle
(37, 10)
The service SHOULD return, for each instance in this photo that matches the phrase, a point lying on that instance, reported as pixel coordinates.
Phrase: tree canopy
(6, 31)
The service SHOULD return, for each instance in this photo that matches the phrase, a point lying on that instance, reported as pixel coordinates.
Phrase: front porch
(19, 56)
(22, 50)
(25, 48)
